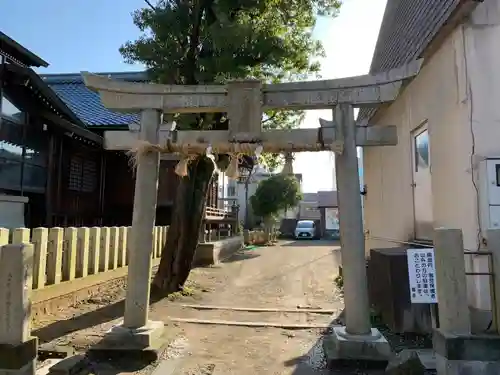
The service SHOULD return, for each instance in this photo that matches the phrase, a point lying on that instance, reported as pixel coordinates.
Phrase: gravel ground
(286, 276)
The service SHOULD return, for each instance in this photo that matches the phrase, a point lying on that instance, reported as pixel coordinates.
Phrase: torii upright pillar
(137, 333)
(357, 340)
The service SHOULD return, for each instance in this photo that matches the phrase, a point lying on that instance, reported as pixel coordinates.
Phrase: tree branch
(270, 118)
(150, 5)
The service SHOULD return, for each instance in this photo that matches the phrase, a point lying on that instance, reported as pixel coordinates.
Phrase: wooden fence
(65, 254)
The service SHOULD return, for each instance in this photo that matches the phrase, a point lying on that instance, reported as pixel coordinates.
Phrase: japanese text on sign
(422, 275)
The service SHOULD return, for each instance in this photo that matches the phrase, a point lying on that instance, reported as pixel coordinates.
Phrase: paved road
(285, 276)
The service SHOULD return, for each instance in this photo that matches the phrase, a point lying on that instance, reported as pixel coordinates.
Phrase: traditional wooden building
(52, 160)
(39, 135)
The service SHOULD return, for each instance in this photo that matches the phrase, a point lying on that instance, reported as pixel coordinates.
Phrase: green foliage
(275, 194)
(211, 41)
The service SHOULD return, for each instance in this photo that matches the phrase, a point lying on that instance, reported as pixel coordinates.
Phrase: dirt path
(286, 276)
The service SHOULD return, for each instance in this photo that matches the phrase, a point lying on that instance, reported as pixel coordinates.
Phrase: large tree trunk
(182, 240)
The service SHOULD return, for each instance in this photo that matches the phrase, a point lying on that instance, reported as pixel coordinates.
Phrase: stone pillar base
(28, 369)
(19, 359)
(466, 354)
(341, 346)
(445, 366)
(144, 342)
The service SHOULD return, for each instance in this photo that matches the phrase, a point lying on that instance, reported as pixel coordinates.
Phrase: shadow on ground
(109, 312)
(242, 254)
(314, 361)
(87, 320)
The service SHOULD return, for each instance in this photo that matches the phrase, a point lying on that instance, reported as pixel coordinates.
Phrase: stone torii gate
(244, 102)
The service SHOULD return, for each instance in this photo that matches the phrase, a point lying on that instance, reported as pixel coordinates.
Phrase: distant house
(444, 172)
(234, 191)
(329, 214)
(308, 207)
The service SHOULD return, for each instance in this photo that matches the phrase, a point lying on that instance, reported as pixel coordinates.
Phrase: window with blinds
(82, 175)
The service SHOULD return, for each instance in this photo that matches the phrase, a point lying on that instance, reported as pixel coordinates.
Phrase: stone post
(351, 226)
(94, 250)
(54, 256)
(137, 333)
(82, 255)
(457, 350)
(4, 236)
(451, 282)
(69, 253)
(18, 350)
(40, 240)
(122, 253)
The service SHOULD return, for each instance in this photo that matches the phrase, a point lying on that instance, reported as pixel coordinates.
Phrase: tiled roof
(86, 104)
(13, 50)
(407, 29)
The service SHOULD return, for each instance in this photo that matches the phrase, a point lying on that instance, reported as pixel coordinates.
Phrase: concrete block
(446, 366)
(340, 345)
(463, 354)
(144, 342)
(209, 253)
(17, 357)
(466, 347)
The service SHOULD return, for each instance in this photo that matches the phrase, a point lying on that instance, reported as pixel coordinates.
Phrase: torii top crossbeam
(244, 102)
(365, 90)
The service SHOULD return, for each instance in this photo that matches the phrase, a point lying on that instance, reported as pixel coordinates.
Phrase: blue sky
(85, 35)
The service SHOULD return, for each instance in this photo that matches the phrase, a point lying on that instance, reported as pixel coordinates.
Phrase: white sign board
(332, 218)
(422, 275)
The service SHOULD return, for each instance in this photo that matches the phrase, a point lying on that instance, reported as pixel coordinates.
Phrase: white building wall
(457, 94)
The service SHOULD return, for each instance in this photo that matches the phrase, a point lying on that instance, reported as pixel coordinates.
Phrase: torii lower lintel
(294, 140)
